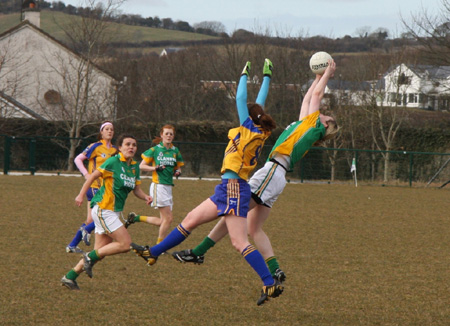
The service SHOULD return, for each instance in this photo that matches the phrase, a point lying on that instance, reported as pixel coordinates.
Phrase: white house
(41, 78)
(417, 86)
(168, 51)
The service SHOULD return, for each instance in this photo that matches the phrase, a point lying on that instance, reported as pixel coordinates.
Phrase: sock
(90, 227)
(93, 255)
(159, 240)
(77, 238)
(177, 236)
(72, 275)
(203, 247)
(140, 218)
(256, 261)
(272, 263)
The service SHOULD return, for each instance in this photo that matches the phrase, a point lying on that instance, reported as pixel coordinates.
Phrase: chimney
(31, 12)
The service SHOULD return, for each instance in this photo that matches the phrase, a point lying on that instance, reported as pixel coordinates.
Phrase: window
(403, 79)
(413, 98)
(52, 97)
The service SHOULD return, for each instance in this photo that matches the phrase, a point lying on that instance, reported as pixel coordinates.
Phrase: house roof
(19, 106)
(433, 72)
(335, 84)
(26, 23)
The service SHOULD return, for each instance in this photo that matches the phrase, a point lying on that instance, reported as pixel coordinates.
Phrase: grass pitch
(353, 256)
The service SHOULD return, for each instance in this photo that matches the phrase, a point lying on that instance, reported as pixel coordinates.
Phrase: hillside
(120, 33)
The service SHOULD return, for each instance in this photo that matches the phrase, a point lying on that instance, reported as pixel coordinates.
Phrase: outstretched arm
(319, 90)
(307, 99)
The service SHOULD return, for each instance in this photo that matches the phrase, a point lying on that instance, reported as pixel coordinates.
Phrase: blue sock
(177, 236)
(77, 238)
(90, 227)
(254, 258)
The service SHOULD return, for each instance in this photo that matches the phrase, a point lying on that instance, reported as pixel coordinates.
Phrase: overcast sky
(331, 18)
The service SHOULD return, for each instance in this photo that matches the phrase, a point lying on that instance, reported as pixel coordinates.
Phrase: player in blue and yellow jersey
(268, 182)
(164, 161)
(232, 197)
(120, 175)
(96, 154)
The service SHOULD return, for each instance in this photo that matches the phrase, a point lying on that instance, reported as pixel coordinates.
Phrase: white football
(319, 62)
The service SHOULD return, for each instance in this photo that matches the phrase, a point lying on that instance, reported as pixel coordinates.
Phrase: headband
(104, 125)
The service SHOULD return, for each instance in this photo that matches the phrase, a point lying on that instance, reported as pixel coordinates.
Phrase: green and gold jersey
(298, 137)
(169, 157)
(119, 179)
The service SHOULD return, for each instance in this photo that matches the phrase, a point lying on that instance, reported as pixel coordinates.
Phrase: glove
(159, 168)
(177, 173)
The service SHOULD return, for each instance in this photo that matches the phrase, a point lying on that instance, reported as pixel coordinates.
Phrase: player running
(120, 175)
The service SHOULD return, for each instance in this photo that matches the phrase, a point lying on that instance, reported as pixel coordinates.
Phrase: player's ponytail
(259, 117)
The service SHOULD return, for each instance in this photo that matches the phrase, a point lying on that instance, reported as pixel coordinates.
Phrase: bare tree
(383, 115)
(11, 75)
(214, 26)
(83, 93)
(432, 31)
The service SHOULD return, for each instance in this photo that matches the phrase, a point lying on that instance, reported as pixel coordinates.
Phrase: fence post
(32, 158)
(7, 155)
(411, 157)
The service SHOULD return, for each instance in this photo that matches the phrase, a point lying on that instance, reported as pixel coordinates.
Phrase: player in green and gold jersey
(120, 175)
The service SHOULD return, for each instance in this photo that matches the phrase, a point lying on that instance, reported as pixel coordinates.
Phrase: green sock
(72, 275)
(272, 263)
(137, 218)
(203, 247)
(94, 255)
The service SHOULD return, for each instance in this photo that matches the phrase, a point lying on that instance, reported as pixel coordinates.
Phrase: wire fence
(204, 160)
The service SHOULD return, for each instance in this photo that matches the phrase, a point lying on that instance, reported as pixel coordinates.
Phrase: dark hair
(99, 137)
(122, 138)
(259, 117)
(157, 140)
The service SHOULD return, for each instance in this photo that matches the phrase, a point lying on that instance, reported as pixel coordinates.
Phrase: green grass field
(52, 20)
(353, 256)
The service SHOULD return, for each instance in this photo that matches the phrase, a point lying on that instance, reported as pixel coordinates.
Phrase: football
(319, 62)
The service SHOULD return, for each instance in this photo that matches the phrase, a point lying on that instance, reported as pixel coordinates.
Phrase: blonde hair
(330, 133)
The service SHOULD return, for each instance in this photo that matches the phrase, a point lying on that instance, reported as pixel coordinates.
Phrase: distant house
(417, 86)
(40, 76)
(168, 51)
(348, 92)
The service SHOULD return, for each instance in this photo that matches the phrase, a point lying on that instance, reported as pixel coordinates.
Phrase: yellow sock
(142, 218)
(159, 240)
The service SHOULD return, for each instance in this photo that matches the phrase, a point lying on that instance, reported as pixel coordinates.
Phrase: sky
(330, 18)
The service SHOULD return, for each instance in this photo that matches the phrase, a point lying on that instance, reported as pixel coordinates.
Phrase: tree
(432, 32)
(12, 75)
(84, 95)
(214, 26)
(384, 117)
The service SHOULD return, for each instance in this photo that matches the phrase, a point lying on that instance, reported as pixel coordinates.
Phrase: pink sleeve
(79, 163)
